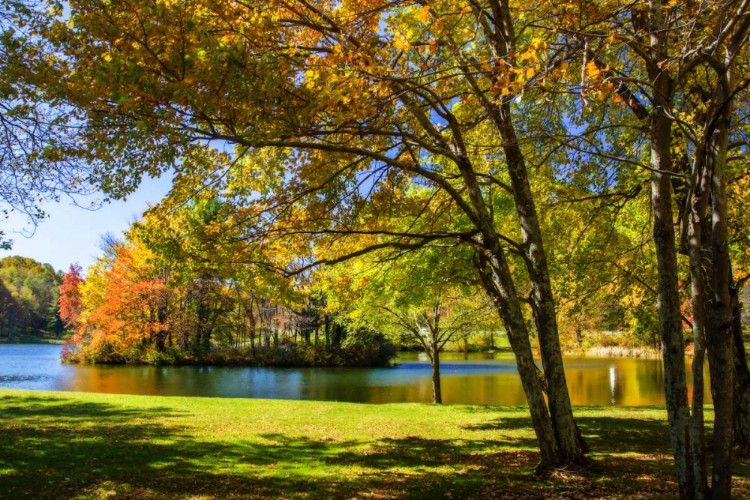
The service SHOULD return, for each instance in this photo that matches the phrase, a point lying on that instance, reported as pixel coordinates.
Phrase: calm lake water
(466, 379)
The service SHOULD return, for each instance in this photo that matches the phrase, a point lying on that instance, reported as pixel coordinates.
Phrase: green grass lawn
(75, 445)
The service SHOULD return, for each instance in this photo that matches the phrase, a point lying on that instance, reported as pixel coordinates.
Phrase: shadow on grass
(613, 434)
(58, 448)
(630, 454)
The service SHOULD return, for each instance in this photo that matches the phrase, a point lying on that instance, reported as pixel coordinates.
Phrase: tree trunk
(569, 439)
(720, 341)
(699, 253)
(498, 283)
(673, 343)
(327, 330)
(437, 394)
(741, 378)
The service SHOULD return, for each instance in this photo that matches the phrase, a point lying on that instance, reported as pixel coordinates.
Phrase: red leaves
(70, 296)
(130, 311)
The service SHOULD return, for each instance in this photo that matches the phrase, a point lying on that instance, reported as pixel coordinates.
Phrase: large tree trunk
(499, 30)
(670, 318)
(720, 341)
(673, 343)
(699, 253)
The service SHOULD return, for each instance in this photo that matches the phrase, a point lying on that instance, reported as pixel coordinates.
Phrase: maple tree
(154, 297)
(70, 296)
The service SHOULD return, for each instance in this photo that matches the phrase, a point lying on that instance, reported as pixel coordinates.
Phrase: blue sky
(71, 234)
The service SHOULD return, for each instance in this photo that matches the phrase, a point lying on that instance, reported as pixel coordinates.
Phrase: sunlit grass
(75, 445)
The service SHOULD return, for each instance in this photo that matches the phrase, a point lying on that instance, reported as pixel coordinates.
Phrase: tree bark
(498, 283)
(720, 341)
(699, 254)
(741, 377)
(437, 394)
(572, 447)
(498, 28)
(673, 343)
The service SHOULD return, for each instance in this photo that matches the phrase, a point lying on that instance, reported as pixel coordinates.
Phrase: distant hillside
(29, 292)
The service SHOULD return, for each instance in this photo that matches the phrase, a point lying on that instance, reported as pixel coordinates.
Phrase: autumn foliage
(70, 296)
(559, 151)
(148, 301)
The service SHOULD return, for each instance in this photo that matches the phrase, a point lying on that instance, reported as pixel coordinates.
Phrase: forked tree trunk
(568, 444)
(572, 447)
(498, 283)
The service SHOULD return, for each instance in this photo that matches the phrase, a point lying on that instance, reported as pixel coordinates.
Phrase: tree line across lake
(29, 293)
(415, 166)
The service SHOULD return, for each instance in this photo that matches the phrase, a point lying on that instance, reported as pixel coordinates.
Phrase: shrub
(367, 348)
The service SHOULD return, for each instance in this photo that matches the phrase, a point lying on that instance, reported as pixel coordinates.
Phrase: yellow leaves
(592, 70)
(561, 69)
(538, 44)
(687, 117)
(400, 42)
(529, 55)
(311, 78)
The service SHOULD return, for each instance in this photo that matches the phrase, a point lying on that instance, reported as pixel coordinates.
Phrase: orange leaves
(424, 14)
(593, 71)
(131, 304)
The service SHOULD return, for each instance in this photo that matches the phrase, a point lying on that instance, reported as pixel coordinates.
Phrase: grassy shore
(30, 339)
(75, 445)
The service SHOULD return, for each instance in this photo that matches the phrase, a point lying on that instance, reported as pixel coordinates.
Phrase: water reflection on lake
(470, 379)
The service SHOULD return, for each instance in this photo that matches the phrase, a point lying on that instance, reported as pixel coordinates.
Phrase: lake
(484, 379)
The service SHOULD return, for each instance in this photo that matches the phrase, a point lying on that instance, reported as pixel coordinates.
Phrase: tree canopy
(28, 298)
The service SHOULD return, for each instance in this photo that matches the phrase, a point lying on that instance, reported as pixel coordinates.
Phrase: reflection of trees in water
(629, 382)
